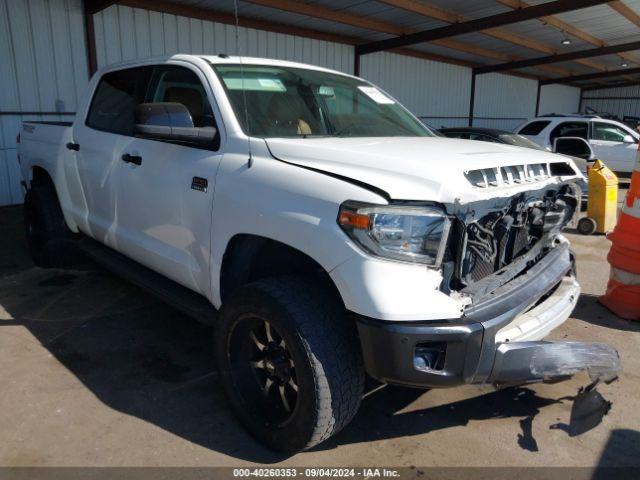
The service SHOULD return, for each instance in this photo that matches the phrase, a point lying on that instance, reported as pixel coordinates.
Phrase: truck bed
(43, 144)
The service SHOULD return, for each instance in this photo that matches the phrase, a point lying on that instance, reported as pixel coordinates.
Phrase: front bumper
(497, 341)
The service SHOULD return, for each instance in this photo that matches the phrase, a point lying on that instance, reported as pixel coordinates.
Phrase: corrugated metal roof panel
(601, 17)
(485, 41)
(603, 22)
(450, 53)
(471, 8)
(547, 35)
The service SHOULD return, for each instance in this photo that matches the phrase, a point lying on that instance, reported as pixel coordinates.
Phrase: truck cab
(329, 232)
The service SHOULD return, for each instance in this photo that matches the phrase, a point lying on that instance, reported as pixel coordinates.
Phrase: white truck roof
(222, 59)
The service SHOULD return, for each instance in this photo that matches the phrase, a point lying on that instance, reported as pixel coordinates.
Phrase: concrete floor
(95, 372)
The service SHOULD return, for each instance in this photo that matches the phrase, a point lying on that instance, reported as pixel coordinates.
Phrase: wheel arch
(250, 257)
(40, 177)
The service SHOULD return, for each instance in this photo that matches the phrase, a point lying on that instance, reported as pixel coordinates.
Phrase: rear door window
(115, 99)
(534, 128)
(570, 129)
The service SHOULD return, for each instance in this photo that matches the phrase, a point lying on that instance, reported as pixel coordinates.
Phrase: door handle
(73, 146)
(135, 159)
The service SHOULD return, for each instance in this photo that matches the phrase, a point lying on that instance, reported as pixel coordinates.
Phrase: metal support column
(472, 100)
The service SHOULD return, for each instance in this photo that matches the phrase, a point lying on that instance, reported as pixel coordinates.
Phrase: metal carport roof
(511, 36)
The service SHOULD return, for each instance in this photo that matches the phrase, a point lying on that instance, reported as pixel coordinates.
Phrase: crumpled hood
(414, 168)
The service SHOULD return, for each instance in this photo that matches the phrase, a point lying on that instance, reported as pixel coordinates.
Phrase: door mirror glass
(574, 147)
(170, 121)
(629, 139)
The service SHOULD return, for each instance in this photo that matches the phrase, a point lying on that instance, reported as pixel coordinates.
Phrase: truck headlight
(405, 233)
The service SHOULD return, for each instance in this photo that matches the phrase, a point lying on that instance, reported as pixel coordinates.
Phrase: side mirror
(170, 121)
(573, 147)
(629, 139)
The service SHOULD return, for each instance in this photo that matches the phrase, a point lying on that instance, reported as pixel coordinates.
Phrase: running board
(187, 301)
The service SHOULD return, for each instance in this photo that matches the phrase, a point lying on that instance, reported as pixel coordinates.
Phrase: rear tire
(49, 240)
(290, 363)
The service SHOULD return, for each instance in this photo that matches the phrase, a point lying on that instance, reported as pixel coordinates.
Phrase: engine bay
(487, 238)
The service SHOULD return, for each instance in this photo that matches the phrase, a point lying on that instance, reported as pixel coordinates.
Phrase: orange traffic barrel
(623, 290)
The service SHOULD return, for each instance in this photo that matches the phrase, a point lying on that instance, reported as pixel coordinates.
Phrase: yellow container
(603, 197)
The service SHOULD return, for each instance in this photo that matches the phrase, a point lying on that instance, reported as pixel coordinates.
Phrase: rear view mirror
(629, 139)
(573, 147)
(170, 121)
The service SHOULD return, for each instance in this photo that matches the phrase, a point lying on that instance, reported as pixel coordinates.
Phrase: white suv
(612, 142)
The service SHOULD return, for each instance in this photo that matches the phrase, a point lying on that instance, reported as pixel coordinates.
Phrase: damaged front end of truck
(514, 276)
(508, 261)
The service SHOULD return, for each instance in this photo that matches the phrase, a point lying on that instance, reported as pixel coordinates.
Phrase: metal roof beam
(592, 76)
(353, 20)
(611, 85)
(247, 22)
(332, 15)
(626, 12)
(95, 6)
(447, 16)
(506, 18)
(561, 57)
(569, 29)
(212, 15)
(559, 24)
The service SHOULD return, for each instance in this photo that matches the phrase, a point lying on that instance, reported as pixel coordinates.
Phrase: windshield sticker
(271, 84)
(326, 91)
(255, 84)
(376, 95)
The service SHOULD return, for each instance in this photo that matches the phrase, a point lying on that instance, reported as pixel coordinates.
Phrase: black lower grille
(488, 254)
(493, 246)
(521, 242)
(493, 241)
(480, 267)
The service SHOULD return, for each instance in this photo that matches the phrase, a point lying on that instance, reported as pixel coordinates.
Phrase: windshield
(519, 141)
(296, 102)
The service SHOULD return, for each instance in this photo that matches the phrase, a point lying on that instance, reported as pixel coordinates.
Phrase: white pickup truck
(319, 226)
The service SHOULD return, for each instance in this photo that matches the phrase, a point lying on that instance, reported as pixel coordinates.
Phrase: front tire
(289, 361)
(49, 240)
